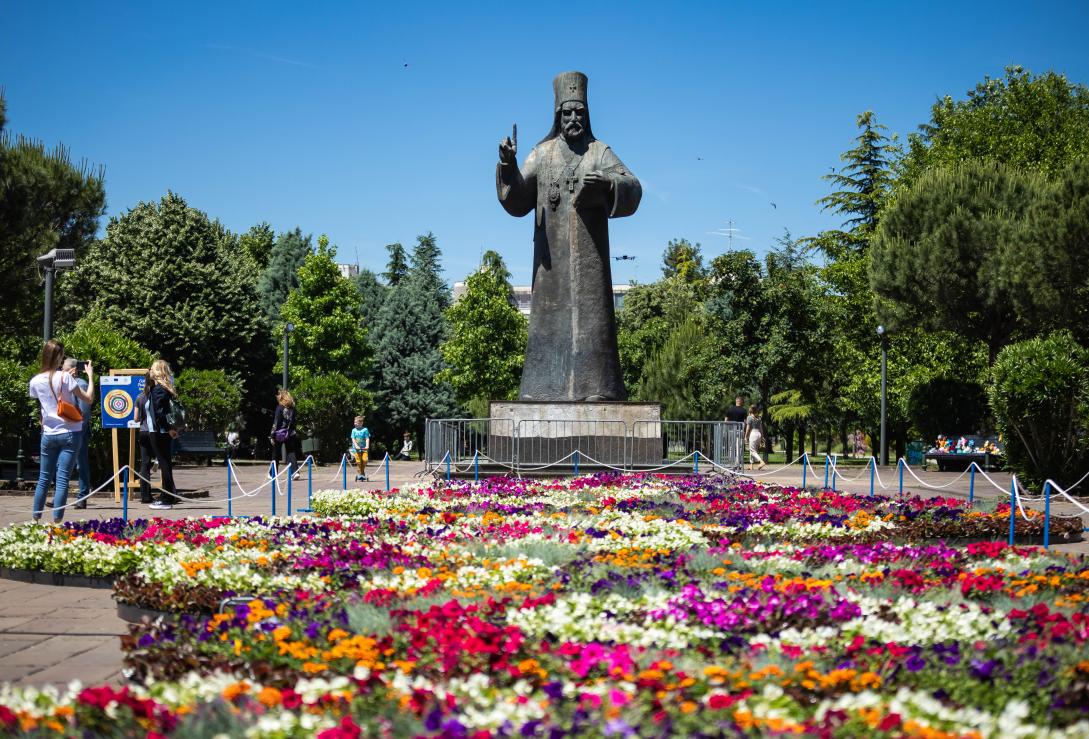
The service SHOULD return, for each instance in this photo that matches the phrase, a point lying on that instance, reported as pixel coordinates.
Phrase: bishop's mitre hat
(569, 86)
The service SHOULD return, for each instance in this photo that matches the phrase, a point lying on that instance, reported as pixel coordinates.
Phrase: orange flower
(269, 696)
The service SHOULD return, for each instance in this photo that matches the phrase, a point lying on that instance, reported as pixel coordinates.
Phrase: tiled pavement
(51, 635)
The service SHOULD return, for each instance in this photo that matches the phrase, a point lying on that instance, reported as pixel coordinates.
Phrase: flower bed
(615, 605)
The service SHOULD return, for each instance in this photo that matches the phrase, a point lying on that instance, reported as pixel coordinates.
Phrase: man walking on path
(736, 413)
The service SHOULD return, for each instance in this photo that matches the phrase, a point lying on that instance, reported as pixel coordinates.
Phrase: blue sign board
(118, 394)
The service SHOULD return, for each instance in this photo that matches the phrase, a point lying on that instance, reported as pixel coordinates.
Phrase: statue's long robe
(572, 351)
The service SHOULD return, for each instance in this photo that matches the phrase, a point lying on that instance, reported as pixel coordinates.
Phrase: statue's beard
(572, 132)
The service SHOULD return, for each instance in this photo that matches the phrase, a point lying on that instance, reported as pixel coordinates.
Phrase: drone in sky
(624, 258)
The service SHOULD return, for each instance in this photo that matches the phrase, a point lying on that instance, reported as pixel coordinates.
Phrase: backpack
(175, 415)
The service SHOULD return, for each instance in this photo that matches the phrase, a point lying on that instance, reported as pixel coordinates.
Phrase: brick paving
(51, 635)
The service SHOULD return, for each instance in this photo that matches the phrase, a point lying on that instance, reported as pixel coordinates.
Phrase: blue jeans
(83, 461)
(58, 454)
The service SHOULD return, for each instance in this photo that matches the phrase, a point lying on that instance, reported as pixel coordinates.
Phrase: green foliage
(46, 202)
(327, 403)
(1038, 123)
(258, 243)
(212, 399)
(1040, 398)
(1049, 280)
(487, 342)
(397, 267)
(789, 407)
(371, 294)
(684, 260)
(167, 277)
(109, 349)
(947, 405)
(648, 316)
(407, 335)
(670, 378)
(281, 275)
(329, 335)
(16, 409)
(942, 254)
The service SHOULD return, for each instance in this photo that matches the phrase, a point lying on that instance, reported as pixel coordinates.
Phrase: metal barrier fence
(567, 445)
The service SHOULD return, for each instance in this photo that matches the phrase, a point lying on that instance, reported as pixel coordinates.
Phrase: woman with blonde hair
(152, 410)
(56, 392)
(283, 436)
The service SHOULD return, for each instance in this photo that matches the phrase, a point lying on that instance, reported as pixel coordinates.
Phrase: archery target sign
(118, 394)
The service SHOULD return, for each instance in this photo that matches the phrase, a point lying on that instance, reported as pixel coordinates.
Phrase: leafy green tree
(169, 278)
(735, 307)
(947, 405)
(327, 403)
(1049, 282)
(650, 312)
(1040, 398)
(407, 336)
(487, 342)
(397, 267)
(281, 276)
(16, 409)
(1039, 123)
(212, 399)
(258, 243)
(329, 335)
(683, 259)
(46, 202)
(371, 294)
(671, 378)
(941, 256)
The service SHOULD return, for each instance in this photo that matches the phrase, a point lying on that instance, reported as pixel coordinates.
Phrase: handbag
(281, 435)
(65, 410)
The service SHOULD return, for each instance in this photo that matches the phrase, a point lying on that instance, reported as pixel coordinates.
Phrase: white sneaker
(297, 476)
(159, 506)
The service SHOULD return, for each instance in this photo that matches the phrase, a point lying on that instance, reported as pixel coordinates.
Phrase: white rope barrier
(937, 487)
(78, 500)
(835, 470)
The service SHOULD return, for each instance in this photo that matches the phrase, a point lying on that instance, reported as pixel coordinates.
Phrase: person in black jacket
(283, 436)
(152, 406)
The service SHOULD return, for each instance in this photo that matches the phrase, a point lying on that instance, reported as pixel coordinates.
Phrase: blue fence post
(290, 474)
(1013, 505)
(476, 466)
(273, 472)
(576, 463)
(971, 483)
(805, 465)
(448, 465)
(343, 471)
(873, 471)
(696, 462)
(386, 460)
(834, 471)
(826, 458)
(900, 464)
(230, 509)
(1047, 513)
(309, 484)
(125, 494)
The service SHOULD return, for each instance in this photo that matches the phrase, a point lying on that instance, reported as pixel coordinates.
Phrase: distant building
(522, 295)
(348, 271)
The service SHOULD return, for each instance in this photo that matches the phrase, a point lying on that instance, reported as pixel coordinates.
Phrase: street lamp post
(883, 335)
(288, 328)
(54, 260)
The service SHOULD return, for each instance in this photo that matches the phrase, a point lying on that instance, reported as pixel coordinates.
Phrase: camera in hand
(81, 366)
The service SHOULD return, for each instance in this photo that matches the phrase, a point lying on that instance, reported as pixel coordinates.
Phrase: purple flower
(983, 669)
(915, 663)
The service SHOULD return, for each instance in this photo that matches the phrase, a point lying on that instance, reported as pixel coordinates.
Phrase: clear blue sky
(304, 113)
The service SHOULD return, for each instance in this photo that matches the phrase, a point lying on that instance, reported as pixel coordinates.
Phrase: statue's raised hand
(508, 151)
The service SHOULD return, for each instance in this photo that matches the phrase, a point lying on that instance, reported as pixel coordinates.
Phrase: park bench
(200, 444)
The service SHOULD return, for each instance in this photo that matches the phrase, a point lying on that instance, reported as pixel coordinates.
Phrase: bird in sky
(773, 205)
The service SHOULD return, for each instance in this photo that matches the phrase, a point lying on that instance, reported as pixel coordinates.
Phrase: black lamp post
(56, 259)
(883, 335)
(288, 328)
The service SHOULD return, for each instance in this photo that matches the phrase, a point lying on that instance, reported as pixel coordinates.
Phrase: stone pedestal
(606, 433)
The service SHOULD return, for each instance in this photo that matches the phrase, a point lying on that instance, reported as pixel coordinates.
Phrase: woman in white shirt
(54, 390)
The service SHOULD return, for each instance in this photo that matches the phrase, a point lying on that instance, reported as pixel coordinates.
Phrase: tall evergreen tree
(397, 267)
(487, 343)
(46, 202)
(282, 274)
(683, 259)
(407, 336)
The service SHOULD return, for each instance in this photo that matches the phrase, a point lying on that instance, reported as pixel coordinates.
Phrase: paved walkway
(50, 635)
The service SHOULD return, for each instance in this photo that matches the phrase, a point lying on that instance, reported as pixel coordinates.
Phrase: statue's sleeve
(627, 192)
(517, 190)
